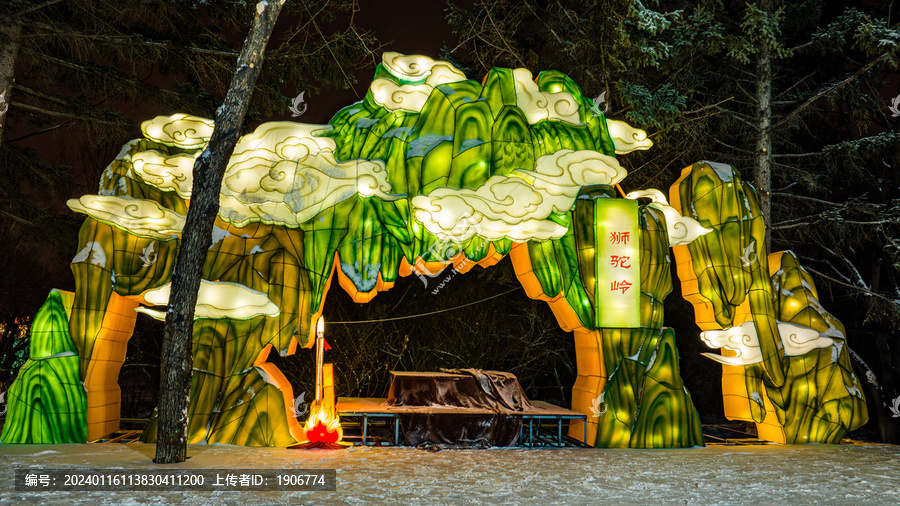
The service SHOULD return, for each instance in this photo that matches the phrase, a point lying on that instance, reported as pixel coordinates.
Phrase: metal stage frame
(368, 410)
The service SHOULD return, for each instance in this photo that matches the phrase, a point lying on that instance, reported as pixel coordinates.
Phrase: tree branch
(735, 148)
(39, 94)
(796, 155)
(328, 47)
(848, 285)
(820, 94)
(32, 134)
(811, 199)
(787, 227)
(695, 111)
(40, 6)
(135, 39)
(795, 220)
(87, 70)
(851, 222)
(487, 11)
(67, 115)
(737, 117)
(17, 219)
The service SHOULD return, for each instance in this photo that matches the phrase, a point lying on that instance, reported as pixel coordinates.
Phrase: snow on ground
(849, 474)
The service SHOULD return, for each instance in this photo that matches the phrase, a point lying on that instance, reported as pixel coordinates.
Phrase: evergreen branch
(791, 87)
(746, 93)
(811, 199)
(795, 225)
(17, 219)
(879, 222)
(39, 94)
(657, 157)
(135, 39)
(850, 265)
(796, 155)
(737, 117)
(785, 165)
(848, 285)
(695, 111)
(303, 29)
(690, 120)
(552, 31)
(865, 144)
(217, 52)
(829, 264)
(751, 77)
(795, 220)
(820, 94)
(121, 77)
(729, 146)
(359, 37)
(779, 226)
(784, 188)
(333, 56)
(64, 63)
(802, 46)
(69, 116)
(32, 134)
(37, 7)
(487, 11)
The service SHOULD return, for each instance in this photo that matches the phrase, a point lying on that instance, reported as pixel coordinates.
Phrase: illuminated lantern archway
(433, 169)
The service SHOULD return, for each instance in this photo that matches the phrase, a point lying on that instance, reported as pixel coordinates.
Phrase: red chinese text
(619, 237)
(619, 285)
(620, 261)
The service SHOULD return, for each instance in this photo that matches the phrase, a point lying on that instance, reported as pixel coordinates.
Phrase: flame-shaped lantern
(323, 427)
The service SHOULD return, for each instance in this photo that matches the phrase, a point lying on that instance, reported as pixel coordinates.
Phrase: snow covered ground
(849, 474)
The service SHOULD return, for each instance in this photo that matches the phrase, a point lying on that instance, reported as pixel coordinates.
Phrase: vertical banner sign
(617, 263)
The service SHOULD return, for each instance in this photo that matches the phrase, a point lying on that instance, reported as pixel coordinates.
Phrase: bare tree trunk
(886, 427)
(177, 360)
(886, 424)
(763, 169)
(10, 29)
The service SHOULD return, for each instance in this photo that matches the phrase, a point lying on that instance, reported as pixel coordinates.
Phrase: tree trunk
(10, 28)
(177, 360)
(763, 169)
(885, 418)
(886, 425)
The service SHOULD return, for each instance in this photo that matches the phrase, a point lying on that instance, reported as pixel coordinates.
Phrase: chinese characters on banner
(617, 263)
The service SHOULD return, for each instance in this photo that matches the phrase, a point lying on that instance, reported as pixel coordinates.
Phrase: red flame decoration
(323, 427)
(320, 433)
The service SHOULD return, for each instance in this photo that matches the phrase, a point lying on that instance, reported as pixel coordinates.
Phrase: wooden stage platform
(541, 426)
